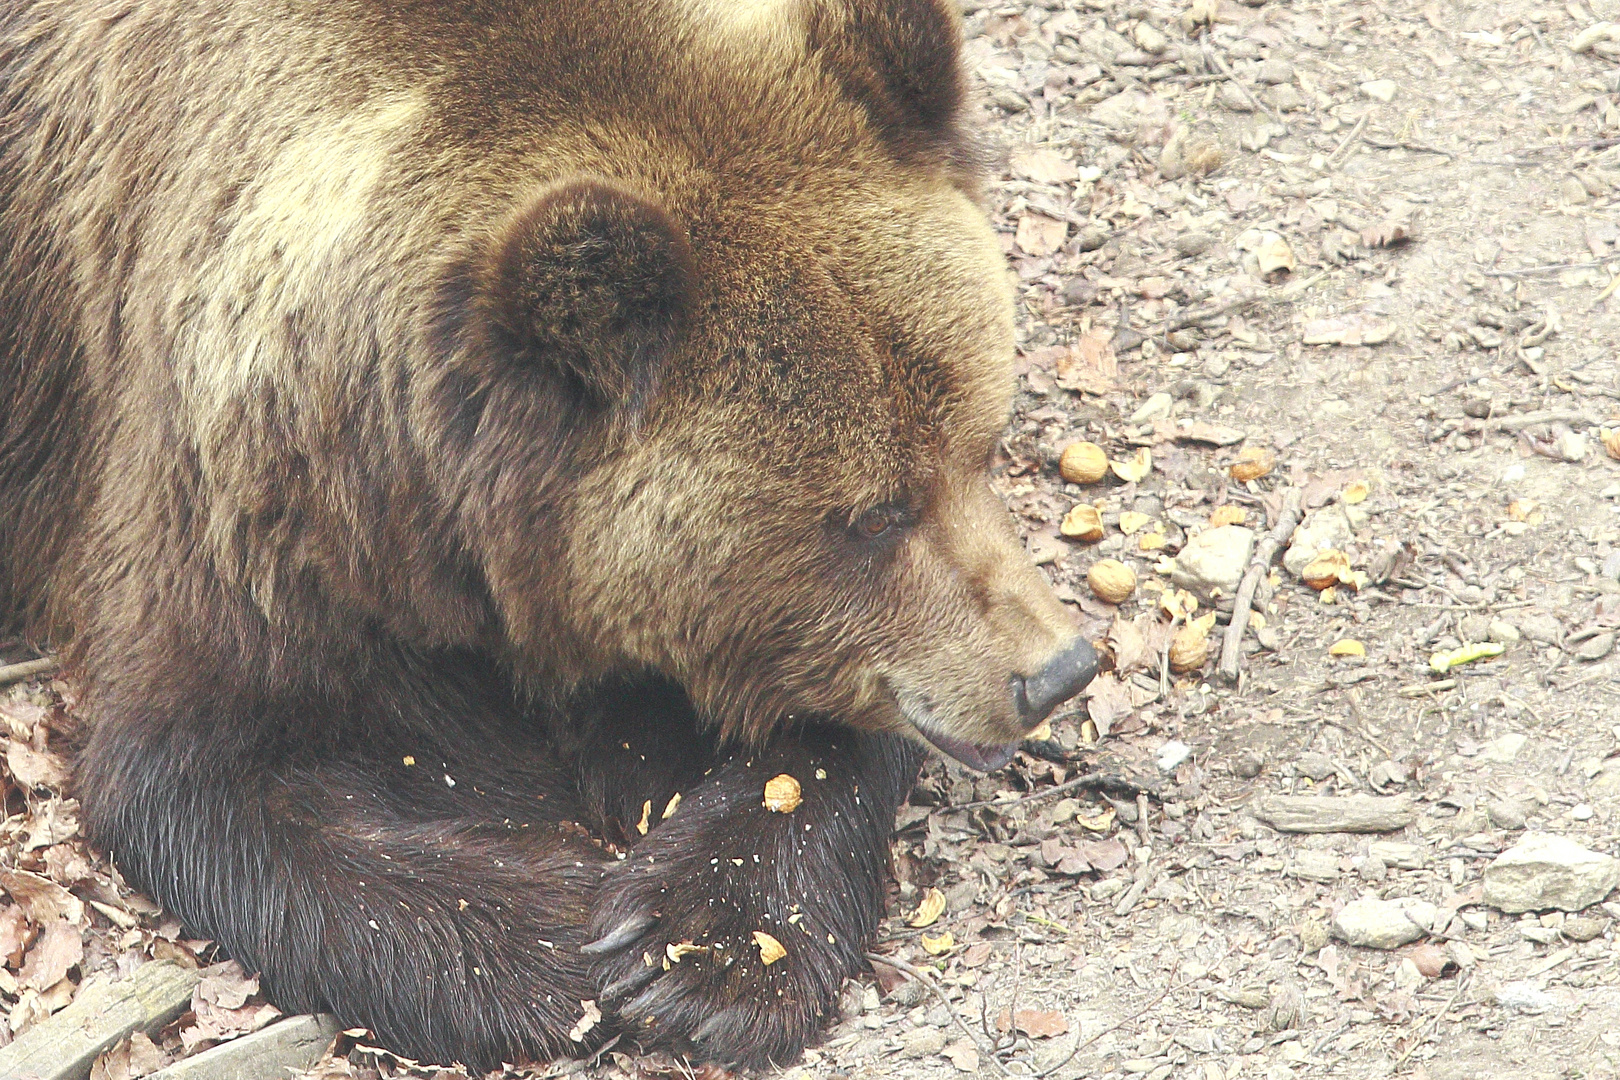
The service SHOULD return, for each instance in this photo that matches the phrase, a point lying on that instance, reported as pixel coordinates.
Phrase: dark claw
(613, 991)
(647, 1001)
(710, 1026)
(619, 936)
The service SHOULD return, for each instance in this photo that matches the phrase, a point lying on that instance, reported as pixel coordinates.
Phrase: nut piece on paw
(770, 950)
(782, 794)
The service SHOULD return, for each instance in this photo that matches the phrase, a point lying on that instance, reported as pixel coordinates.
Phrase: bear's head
(728, 385)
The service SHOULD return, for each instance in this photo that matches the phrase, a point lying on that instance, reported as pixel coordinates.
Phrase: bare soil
(1189, 192)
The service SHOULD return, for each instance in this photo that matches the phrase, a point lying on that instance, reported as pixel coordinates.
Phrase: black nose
(1064, 676)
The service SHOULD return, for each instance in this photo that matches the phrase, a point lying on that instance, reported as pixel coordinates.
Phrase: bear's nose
(1064, 676)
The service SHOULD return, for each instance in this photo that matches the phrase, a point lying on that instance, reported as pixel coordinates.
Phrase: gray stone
(1322, 866)
(1274, 71)
(1504, 632)
(1595, 647)
(1214, 561)
(1540, 626)
(1508, 814)
(922, 1042)
(1543, 872)
(1326, 528)
(1383, 924)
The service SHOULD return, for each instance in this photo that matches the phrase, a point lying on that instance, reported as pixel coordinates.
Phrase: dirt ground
(1373, 246)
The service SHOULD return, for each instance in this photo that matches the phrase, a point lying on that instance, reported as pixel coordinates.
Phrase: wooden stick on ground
(1232, 643)
(10, 673)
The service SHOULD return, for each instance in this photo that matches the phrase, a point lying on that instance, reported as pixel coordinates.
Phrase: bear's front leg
(728, 931)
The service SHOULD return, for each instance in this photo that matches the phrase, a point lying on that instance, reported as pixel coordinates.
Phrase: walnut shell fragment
(770, 950)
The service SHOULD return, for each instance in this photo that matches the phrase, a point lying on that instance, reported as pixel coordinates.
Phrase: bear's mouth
(973, 755)
(985, 757)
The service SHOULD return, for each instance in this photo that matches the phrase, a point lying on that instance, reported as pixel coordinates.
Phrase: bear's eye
(880, 520)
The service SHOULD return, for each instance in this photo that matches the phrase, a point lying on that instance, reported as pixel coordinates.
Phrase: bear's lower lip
(974, 756)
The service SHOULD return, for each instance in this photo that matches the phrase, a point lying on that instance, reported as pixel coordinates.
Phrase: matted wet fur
(443, 433)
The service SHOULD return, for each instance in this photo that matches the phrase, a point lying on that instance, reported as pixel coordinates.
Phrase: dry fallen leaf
(1091, 365)
(931, 908)
(1040, 235)
(770, 950)
(1107, 702)
(34, 769)
(41, 899)
(782, 794)
(1042, 165)
(58, 948)
(1036, 1023)
(15, 936)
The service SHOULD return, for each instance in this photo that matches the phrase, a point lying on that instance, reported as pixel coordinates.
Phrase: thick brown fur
(445, 431)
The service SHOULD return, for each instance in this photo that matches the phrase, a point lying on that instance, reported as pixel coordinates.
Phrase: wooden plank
(294, 1043)
(65, 1046)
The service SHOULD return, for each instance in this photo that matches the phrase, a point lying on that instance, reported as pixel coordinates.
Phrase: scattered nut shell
(1228, 515)
(1082, 523)
(1330, 568)
(1111, 580)
(1611, 441)
(1253, 462)
(931, 908)
(1189, 650)
(941, 943)
(1135, 469)
(1153, 541)
(1347, 647)
(1131, 522)
(770, 950)
(1356, 492)
(1083, 463)
(782, 794)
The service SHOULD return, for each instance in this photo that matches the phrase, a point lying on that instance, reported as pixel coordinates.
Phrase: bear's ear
(594, 282)
(901, 61)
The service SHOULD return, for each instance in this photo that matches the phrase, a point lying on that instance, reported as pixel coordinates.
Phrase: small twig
(1433, 1023)
(1333, 158)
(1550, 268)
(1518, 421)
(1090, 779)
(950, 1007)
(1169, 985)
(11, 673)
(1259, 106)
(1232, 643)
(1395, 144)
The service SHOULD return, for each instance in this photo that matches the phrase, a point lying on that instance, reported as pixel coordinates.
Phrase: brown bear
(471, 447)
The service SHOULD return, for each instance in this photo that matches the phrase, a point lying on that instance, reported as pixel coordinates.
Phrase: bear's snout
(1058, 680)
